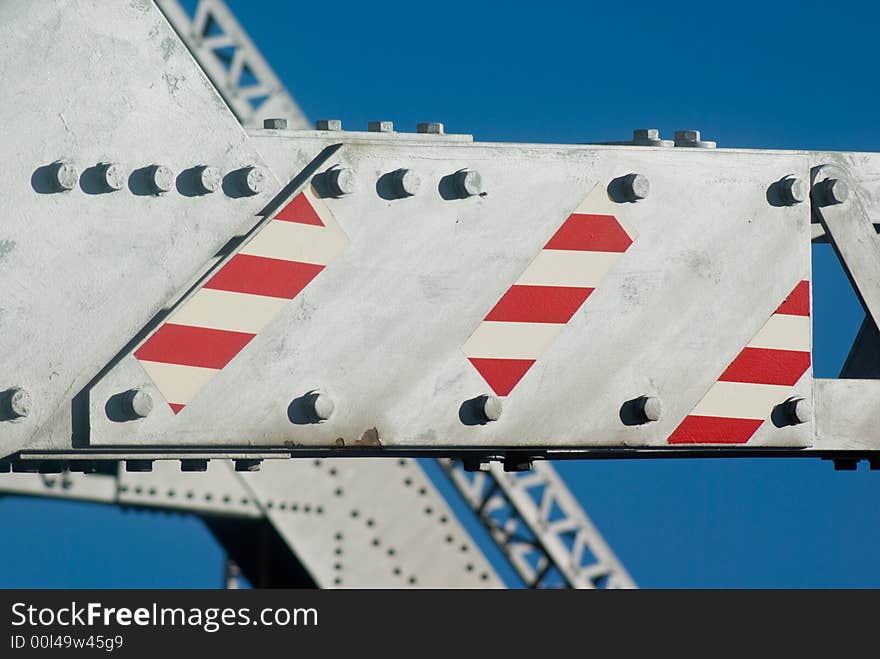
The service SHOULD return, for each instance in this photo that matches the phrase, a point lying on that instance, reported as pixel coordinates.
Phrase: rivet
(635, 187)
(275, 124)
(64, 175)
(208, 179)
(381, 126)
(112, 176)
(17, 402)
(651, 408)
(468, 183)
(832, 191)
(406, 182)
(340, 181)
(793, 190)
(430, 128)
(161, 178)
(491, 408)
(137, 403)
(328, 124)
(322, 406)
(253, 180)
(799, 410)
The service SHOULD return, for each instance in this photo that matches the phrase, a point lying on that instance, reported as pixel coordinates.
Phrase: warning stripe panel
(590, 233)
(501, 375)
(697, 429)
(179, 384)
(741, 400)
(784, 332)
(498, 340)
(553, 267)
(798, 303)
(539, 304)
(299, 210)
(291, 241)
(225, 310)
(264, 276)
(192, 346)
(763, 366)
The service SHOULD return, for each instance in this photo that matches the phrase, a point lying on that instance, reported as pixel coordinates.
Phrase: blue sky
(790, 75)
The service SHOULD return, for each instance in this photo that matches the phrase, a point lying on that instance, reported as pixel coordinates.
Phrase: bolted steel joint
(328, 124)
(340, 181)
(430, 128)
(649, 137)
(112, 176)
(137, 404)
(650, 408)
(321, 406)
(16, 403)
(799, 410)
(253, 180)
(793, 190)
(490, 407)
(275, 124)
(831, 191)
(406, 182)
(208, 179)
(161, 179)
(380, 126)
(635, 187)
(63, 175)
(692, 139)
(468, 183)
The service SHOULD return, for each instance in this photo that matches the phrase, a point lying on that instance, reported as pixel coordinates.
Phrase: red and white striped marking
(532, 313)
(214, 324)
(760, 378)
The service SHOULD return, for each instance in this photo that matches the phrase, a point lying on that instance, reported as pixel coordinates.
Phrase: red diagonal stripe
(590, 233)
(502, 374)
(263, 276)
(539, 304)
(798, 303)
(299, 210)
(176, 407)
(714, 430)
(192, 346)
(767, 366)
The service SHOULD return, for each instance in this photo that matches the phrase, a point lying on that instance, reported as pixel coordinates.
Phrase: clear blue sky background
(790, 75)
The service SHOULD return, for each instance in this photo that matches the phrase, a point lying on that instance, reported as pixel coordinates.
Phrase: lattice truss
(540, 527)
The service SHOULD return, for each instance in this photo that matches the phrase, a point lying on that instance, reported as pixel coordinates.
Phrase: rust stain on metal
(369, 438)
(340, 443)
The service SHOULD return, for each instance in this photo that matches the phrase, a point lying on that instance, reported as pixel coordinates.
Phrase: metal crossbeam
(231, 60)
(538, 523)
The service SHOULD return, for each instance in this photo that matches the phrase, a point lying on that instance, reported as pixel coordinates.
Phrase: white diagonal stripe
(503, 340)
(598, 203)
(178, 384)
(226, 310)
(741, 400)
(294, 241)
(784, 332)
(559, 267)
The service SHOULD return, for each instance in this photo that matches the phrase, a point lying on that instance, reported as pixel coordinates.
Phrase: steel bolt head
(652, 408)
(161, 179)
(381, 126)
(253, 180)
(341, 181)
(406, 182)
(322, 406)
(799, 410)
(208, 179)
(18, 403)
(635, 187)
(691, 138)
(64, 175)
(793, 190)
(491, 408)
(328, 124)
(137, 403)
(275, 124)
(112, 177)
(430, 128)
(468, 183)
(833, 191)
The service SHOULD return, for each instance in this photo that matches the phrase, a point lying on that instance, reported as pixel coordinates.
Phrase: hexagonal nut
(275, 123)
(468, 183)
(833, 191)
(793, 190)
(112, 177)
(208, 179)
(137, 404)
(491, 408)
(651, 408)
(380, 126)
(635, 187)
(161, 179)
(799, 410)
(430, 128)
(64, 175)
(17, 402)
(340, 181)
(406, 182)
(253, 180)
